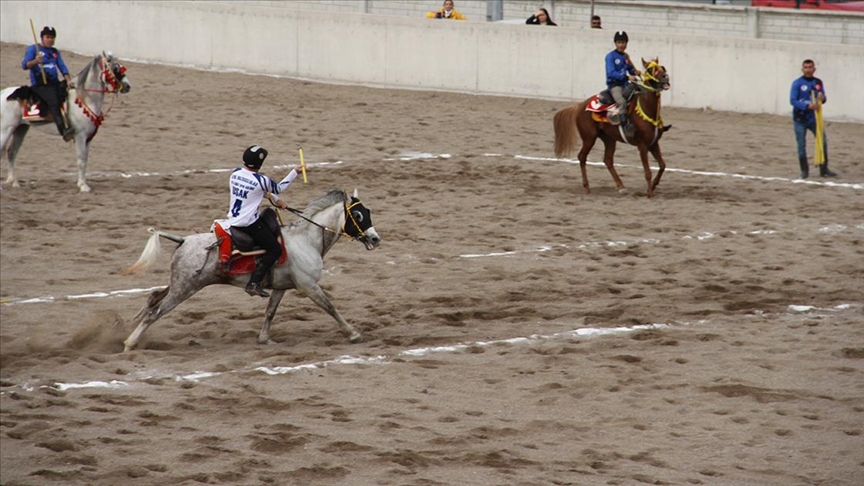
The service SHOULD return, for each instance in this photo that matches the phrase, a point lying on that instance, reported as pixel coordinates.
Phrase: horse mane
(82, 76)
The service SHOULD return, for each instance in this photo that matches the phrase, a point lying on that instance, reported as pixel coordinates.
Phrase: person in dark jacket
(541, 17)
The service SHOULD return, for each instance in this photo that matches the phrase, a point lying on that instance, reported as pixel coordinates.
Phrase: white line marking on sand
(364, 360)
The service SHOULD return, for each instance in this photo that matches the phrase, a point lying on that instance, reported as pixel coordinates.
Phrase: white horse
(195, 263)
(83, 109)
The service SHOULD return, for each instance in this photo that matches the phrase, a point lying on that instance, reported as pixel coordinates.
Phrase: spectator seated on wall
(446, 13)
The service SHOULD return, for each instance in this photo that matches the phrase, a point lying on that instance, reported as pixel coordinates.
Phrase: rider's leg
(68, 132)
(50, 94)
(617, 93)
(266, 239)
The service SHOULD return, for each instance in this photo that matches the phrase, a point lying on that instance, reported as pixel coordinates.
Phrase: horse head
(655, 76)
(113, 75)
(358, 223)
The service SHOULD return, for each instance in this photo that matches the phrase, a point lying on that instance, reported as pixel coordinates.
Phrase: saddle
(602, 103)
(238, 252)
(35, 109)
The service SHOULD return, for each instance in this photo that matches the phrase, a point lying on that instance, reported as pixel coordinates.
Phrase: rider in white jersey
(248, 189)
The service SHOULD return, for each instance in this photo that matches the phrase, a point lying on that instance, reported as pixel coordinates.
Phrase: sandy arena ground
(732, 302)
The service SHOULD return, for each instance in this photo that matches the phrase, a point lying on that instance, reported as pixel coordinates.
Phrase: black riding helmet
(48, 31)
(621, 36)
(254, 157)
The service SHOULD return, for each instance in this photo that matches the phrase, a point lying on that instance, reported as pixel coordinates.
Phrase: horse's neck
(650, 103)
(334, 219)
(91, 91)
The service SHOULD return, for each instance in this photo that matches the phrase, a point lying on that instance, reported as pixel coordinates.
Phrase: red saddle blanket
(234, 262)
(599, 110)
(33, 112)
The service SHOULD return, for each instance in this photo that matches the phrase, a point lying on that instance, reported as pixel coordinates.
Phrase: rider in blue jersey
(619, 72)
(45, 59)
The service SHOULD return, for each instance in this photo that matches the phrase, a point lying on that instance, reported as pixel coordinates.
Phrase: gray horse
(195, 263)
(84, 107)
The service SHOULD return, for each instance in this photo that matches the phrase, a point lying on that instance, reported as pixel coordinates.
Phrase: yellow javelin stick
(36, 43)
(819, 157)
(303, 166)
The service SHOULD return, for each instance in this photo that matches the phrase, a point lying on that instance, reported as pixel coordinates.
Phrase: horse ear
(356, 193)
(644, 63)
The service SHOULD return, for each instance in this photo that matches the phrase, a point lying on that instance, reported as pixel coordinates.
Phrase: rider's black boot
(254, 286)
(805, 169)
(629, 129)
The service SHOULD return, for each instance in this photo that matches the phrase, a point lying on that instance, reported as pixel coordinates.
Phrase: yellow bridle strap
(639, 111)
(646, 74)
(348, 211)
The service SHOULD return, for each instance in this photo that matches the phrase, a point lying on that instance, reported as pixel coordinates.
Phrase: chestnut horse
(643, 112)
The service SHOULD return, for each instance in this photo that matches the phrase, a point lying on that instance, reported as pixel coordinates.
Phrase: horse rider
(248, 189)
(619, 72)
(46, 66)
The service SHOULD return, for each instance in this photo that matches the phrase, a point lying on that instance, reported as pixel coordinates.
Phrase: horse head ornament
(113, 74)
(654, 77)
(358, 223)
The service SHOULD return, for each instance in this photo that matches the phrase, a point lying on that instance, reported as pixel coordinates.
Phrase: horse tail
(151, 251)
(565, 130)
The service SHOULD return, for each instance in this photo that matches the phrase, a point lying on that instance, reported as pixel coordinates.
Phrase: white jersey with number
(248, 189)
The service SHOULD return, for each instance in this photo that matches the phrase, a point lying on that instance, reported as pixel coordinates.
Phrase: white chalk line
(198, 376)
(411, 156)
(346, 360)
(590, 245)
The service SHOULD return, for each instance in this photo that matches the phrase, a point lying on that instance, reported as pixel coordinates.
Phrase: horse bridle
(108, 78)
(649, 75)
(349, 216)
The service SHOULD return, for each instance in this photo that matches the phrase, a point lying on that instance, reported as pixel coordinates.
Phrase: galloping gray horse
(196, 265)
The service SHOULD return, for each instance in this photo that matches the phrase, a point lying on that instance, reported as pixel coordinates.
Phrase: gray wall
(673, 17)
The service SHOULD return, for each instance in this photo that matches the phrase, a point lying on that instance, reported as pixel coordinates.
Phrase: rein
(342, 233)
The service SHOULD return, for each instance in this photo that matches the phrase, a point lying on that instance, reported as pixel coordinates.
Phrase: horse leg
(10, 143)
(82, 147)
(272, 305)
(655, 151)
(160, 303)
(317, 295)
(587, 145)
(643, 154)
(609, 160)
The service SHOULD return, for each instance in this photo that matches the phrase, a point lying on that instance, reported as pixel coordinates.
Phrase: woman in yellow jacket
(446, 13)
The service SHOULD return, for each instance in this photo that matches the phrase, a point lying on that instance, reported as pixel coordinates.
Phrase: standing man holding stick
(807, 97)
(46, 68)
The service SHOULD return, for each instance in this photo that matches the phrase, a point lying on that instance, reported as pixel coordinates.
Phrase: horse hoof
(267, 341)
(84, 188)
(355, 338)
(623, 190)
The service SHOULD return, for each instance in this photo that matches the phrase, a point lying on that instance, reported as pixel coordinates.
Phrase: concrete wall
(744, 75)
(737, 19)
